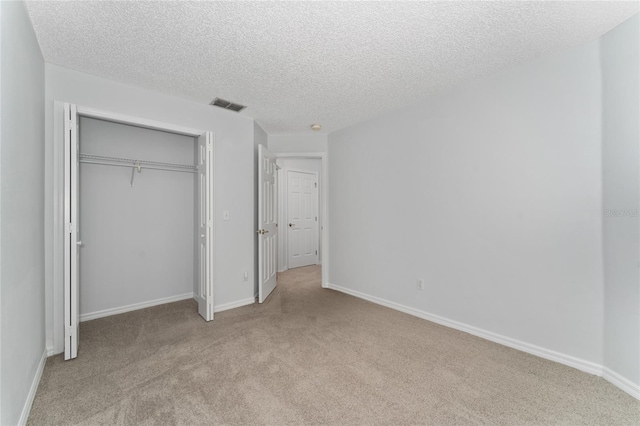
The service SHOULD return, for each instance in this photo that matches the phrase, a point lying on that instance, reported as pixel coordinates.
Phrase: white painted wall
(234, 134)
(22, 333)
(259, 138)
(309, 164)
(621, 199)
(311, 142)
(137, 242)
(492, 194)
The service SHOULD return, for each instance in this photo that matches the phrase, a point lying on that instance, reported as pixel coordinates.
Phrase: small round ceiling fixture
(315, 127)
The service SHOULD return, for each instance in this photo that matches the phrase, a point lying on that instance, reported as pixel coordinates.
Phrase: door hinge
(315, 184)
(69, 331)
(316, 218)
(68, 228)
(316, 252)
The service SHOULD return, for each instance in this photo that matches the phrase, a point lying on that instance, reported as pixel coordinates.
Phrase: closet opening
(138, 217)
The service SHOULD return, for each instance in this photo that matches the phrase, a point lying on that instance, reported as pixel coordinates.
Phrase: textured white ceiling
(297, 63)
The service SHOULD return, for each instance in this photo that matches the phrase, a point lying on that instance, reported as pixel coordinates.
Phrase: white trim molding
(134, 307)
(621, 382)
(571, 361)
(236, 304)
(26, 409)
(137, 121)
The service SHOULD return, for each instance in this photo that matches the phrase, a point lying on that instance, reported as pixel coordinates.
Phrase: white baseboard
(580, 364)
(236, 304)
(26, 409)
(623, 383)
(51, 351)
(134, 307)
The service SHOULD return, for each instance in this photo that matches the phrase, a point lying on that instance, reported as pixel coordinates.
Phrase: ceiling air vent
(227, 105)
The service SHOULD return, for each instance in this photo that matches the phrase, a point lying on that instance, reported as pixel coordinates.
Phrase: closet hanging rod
(127, 162)
(168, 169)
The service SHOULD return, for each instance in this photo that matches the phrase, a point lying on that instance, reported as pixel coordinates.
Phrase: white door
(71, 233)
(302, 218)
(204, 292)
(267, 223)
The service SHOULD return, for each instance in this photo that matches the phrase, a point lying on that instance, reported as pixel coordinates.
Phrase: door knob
(291, 225)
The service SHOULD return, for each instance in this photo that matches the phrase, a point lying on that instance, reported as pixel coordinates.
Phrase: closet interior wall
(137, 241)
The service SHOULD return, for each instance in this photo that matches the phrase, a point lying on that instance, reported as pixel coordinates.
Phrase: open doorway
(298, 236)
(302, 209)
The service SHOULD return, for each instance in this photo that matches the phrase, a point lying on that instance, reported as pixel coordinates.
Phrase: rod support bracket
(135, 167)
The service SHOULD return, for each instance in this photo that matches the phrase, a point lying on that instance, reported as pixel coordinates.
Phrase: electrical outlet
(420, 284)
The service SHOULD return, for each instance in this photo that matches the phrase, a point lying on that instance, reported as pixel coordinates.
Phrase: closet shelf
(127, 162)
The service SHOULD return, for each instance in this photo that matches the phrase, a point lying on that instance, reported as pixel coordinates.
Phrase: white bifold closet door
(267, 224)
(204, 292)
(71, 233)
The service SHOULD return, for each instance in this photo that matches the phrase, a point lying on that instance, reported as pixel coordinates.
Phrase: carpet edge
(621, 382)
(571, 361)
(31, 396)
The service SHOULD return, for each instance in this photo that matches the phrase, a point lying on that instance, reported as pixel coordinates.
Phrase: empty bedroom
(319, 212)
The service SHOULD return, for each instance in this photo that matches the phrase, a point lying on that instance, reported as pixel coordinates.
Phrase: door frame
(285, 212)
(57, 246)
(323, 229)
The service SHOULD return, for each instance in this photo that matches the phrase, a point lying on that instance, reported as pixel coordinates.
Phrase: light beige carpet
(310, 356)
